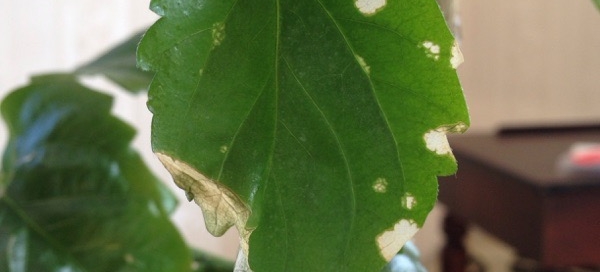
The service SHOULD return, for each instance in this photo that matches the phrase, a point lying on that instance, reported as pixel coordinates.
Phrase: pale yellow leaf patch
(380, 185)
(369, 7)
(221, 207)
(436, 140)
(457, 56)
(409, 201)
(392, 240)
(218, 33)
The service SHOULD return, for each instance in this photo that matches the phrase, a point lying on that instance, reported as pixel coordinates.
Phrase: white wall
(526, 61)
(530, 61)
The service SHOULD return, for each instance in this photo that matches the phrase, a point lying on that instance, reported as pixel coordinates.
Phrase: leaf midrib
(208, 58)
(339, 146)
(277, 70)
(353, 51)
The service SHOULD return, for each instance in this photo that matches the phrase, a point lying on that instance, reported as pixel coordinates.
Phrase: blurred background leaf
(119, 65)
(74, 195)
(205, 262)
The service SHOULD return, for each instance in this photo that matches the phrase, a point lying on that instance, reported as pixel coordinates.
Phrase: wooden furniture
(510, 185)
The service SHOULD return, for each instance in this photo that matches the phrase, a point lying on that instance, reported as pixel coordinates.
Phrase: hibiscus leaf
(74, 195)
(317, 128)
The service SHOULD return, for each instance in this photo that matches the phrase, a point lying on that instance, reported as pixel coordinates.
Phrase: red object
(587, 156)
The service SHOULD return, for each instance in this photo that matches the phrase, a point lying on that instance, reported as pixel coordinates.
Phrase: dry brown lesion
(221, 207)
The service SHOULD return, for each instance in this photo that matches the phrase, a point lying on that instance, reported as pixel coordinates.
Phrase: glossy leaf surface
(119, 65)
(74, 196)
(315, 127)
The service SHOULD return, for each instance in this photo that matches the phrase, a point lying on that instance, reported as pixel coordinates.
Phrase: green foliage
(315, 127)
(205, 262)
(118, 64)
(597, 2)
(75, 196)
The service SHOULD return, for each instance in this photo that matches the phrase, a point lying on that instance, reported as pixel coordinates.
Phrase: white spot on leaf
(392, 240)
(436, 140)
(433, 50)
(409, 201)
(223, 149)
(218, 33)
(370, 7)
(380, 185)
(129, 258)
(363, 64)
(457, 56)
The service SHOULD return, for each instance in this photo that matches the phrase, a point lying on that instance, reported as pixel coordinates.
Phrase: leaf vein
(235, 135)
(339, 144)
(208, 58)
(373, 91)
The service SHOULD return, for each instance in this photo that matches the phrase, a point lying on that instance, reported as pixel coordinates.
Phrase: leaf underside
(320, 123)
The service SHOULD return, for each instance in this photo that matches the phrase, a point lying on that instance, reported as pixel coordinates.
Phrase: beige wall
(530, 61)
(526, 61)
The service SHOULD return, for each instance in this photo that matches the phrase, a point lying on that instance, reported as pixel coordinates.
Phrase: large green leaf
(74, 196)
(316, 127)
(119, 65)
